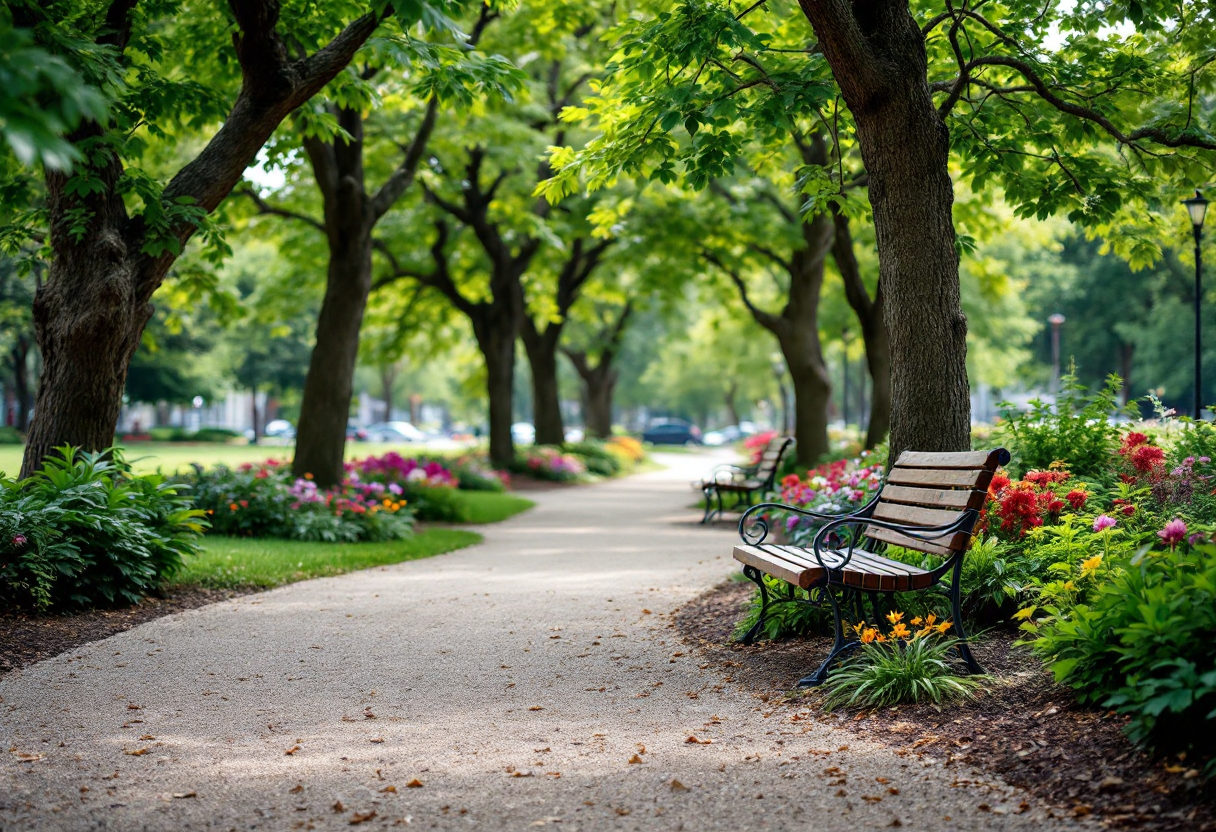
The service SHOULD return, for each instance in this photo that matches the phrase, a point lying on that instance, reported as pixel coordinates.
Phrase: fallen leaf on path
(296, 789)
(292, 750)
(892, 790)
(338, 807)
(377, 739)
(362, 817)
(521, 774)
(677, 786)
(190, 793)
(147, 737)
(635, 759)
(389, 790)
(646, 612)
(25, 757)
(536, 708)
(139, 752)
(620, 810)
(414, 784)
(692, 740)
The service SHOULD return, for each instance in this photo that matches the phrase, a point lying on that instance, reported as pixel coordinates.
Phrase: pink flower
(19, 540)
(1173, 533)
(1103, 522)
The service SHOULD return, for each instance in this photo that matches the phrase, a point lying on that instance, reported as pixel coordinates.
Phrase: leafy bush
(1135, 629)
(627, 447)
(596, 457)
(10, 436)
(901, 665)
(785, 619)
(440, 505)
(474, 473)
(214, 435)
(264, 501)
(428, 485)
(1076, 431)
(85, 532)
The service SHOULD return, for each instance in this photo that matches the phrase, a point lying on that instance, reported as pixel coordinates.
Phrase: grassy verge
(239, 561)
(492, 506)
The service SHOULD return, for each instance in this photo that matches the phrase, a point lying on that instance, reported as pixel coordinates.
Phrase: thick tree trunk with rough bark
(90, 313)
(599, 380)
(546, 397)
(812, 393)
(877, 55)
(496, 340)
(20, 357)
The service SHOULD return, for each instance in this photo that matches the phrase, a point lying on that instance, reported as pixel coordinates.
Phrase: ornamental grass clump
(903, 663)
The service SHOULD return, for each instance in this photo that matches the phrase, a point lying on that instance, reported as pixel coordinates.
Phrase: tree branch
(766, 319)
(403, 176)
(265, 207)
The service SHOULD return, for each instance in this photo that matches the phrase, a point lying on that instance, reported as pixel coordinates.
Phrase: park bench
(745, 482)
(929, 503)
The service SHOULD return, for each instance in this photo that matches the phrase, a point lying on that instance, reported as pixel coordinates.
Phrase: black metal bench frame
(713, 488)
(824, 591)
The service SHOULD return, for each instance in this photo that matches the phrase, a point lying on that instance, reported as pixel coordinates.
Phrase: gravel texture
(534, 680)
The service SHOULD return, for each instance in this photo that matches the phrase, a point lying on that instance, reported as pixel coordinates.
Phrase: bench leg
(753, 574)
(708, 492)
(956, 592)
(840, 646)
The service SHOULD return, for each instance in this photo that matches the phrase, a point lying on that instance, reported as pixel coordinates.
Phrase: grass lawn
(493, 506)
(236, 561)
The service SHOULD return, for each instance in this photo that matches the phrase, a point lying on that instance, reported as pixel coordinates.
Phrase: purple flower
(1173, 533)
(1196, 538)
(19, 540)
(790, 523)
(1103, 522)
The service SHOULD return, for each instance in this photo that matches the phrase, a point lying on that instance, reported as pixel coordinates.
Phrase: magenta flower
(19, 540)
(1103, 522)
(1173, 533)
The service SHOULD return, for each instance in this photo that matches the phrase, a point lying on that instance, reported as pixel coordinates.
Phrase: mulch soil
(1026, 729)
(25, 639)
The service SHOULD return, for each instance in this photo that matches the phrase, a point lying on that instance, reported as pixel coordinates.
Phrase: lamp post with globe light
(1197, 207)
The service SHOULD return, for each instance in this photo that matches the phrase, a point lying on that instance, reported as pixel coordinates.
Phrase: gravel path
(531, 681)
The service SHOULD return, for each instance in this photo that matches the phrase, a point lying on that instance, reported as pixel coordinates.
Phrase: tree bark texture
(877, 55)
(90, 313)
(496, 336)
(869, 313)
(19, 356)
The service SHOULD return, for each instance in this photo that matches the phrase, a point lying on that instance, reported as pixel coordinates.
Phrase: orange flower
(916, 622)
(929, 619)
(307, 476)
(895, 617)
(900, 631)
(869, 635)
(944, 627)
(232, 506)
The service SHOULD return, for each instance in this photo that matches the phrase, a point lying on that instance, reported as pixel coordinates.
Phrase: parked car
(523, 433)
(354, 433)
(394, 432)
(280, 429)
(723, 436)
(672, 432)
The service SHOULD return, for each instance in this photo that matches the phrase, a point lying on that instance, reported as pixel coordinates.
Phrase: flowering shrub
(833, 488)
(627, 447)
(266, 501)
(392, 467)
(757, 442)
(474, 473)
(1015, 507)
(902, 662)
(549, 463)
(84, 531)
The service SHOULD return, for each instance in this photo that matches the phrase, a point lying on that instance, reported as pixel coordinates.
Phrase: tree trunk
(253, 413)
(21, 382)
(877, 56)
(812, 394)
(321, 440)
(496, 340)
(732, 408)
(599, 406)
(878, 360)
(541, 349)
(388, 378)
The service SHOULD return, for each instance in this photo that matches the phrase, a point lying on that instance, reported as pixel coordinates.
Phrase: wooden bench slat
(971, 479)
(771, 564)
(956, 459)
(935, 497)
(942, 546)
(914, 515)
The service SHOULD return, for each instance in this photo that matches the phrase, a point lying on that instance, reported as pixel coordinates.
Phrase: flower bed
(266, 501)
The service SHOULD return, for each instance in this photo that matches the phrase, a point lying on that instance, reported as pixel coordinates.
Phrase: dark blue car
(672, 433)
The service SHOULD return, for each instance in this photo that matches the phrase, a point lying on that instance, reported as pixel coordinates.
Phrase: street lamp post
(1056, 321)
(1197, 207)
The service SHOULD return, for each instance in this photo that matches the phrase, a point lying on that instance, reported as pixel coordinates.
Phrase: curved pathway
(530, 681)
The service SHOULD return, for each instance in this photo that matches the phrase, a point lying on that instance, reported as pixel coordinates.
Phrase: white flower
(416, 475)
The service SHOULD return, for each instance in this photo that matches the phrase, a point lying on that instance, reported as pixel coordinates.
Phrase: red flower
(999, 483)
(790, 481)
(1133, 440)
(1076, 498)
(1147, 457)
(1055, 506)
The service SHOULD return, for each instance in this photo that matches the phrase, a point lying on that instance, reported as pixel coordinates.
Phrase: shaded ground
(1027, 729)
(25, 639)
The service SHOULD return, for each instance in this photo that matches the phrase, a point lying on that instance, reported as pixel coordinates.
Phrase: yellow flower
(930, 619)
(895, 617)
(1024, 613)
(1090, 566)
(859, 628)
(916, 622)
(869, 635)
(1069, 586)
(900, 631)
(944, 627)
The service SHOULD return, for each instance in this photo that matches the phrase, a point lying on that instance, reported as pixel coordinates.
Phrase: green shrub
(440, 505)
(786, 619)
(168, 434)
(85, 532)
(549, 463)
(11, 436)
(1076, 431)
(596, 457)
(895, 670)
(1137, 631)
(214, 435)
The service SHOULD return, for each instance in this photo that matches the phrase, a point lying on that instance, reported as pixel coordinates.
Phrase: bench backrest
(934, 489)
(770, 460)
